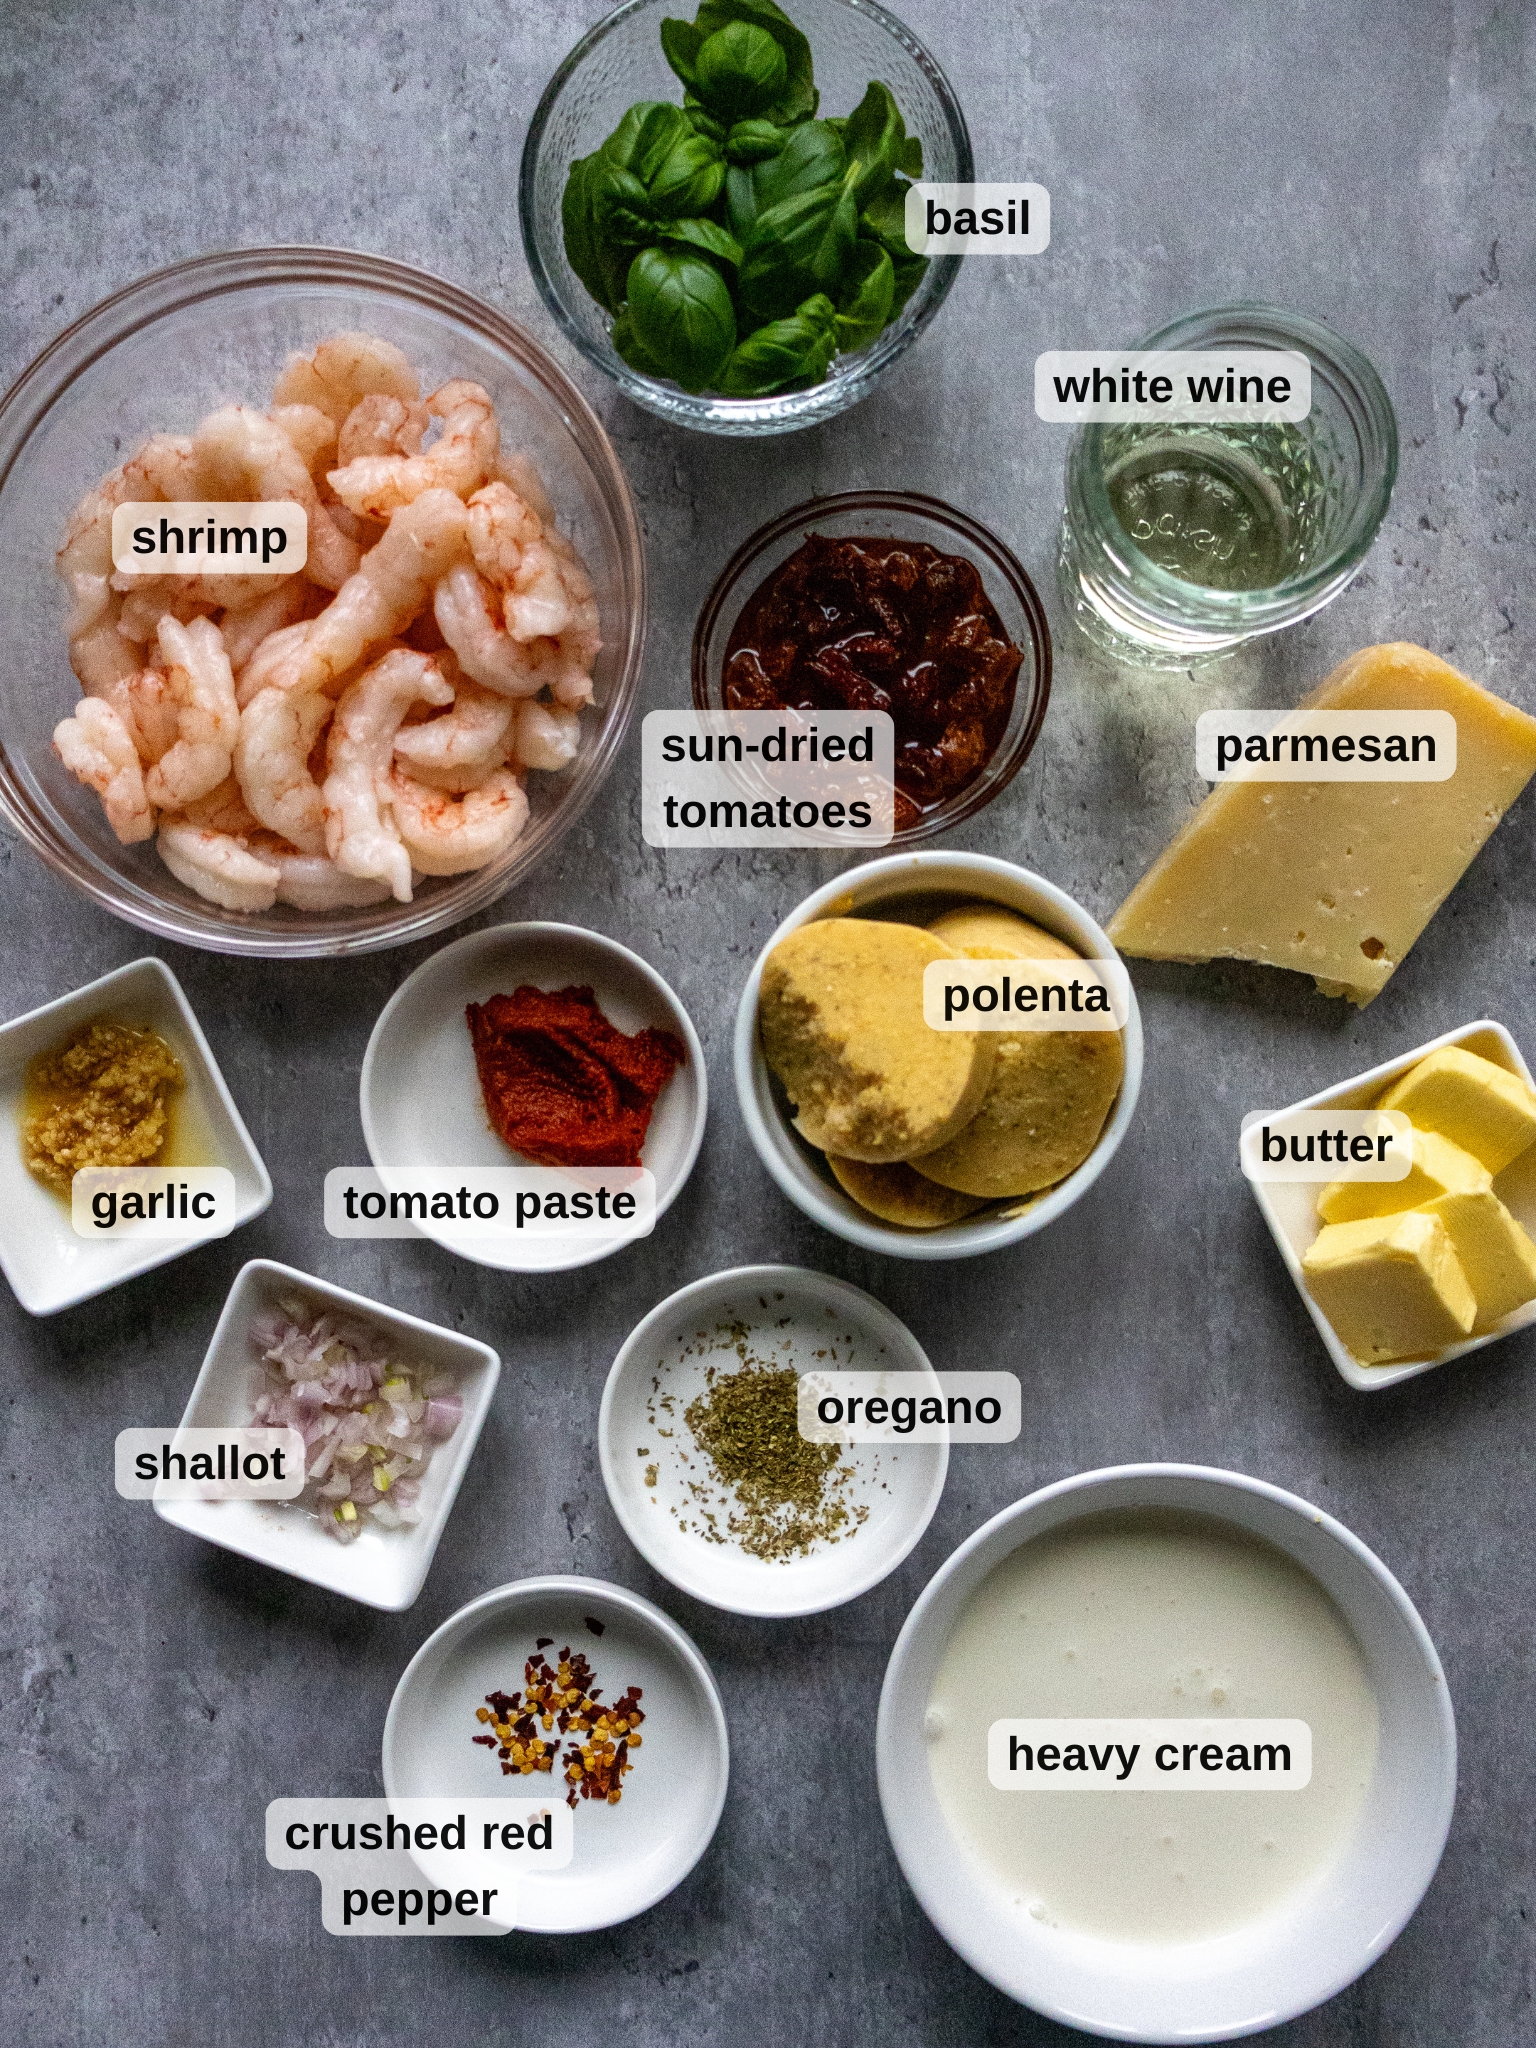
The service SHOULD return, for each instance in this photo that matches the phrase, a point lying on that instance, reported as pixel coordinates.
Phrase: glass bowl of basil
(713, 209)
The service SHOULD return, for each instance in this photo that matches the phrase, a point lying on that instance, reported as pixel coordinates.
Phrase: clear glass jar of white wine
(1181, 541)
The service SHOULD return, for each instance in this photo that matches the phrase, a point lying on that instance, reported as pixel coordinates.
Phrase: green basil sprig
(738, 241)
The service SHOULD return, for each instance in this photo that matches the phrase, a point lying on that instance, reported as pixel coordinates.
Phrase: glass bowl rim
(174, 288)
(783, 409)
(1011, 754)
(1316, 339)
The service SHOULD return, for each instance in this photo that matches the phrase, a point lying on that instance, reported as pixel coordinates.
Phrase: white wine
(1224, 508)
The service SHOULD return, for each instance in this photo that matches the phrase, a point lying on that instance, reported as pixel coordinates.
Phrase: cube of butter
(1484, 1109)
(1392, 1286)
(1439, 1168)
(1336, 879)
(1497, 1257)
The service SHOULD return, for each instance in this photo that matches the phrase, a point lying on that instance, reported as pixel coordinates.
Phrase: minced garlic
(98, 1099)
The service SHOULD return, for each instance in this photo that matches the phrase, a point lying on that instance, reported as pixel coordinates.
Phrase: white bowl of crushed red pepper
(534, 1044)
(704, 1463)
(540, 1689)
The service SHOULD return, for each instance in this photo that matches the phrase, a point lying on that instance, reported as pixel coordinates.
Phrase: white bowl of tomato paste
(531, 1045)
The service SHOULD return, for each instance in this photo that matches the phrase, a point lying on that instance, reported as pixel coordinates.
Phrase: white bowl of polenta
(920, 1142)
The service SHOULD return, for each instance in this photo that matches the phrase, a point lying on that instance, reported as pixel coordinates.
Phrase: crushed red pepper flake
(561, 1698)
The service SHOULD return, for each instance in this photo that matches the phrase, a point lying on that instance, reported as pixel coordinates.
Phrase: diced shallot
(370, 1425)
(443, 1416)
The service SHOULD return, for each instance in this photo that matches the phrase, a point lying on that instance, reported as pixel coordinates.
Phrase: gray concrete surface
(1369, 162)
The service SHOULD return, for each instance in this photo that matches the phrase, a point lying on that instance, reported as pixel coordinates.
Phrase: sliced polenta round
(840, 1016)
(898, 1194)
(1051, 1092)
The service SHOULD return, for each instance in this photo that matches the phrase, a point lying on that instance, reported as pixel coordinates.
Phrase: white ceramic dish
(383, 1567)
(1293, 1958)
(48, 1266)
(912, 888)
(420, 1093)
(1290, 1208)
(627, 1856)
(899, 1487)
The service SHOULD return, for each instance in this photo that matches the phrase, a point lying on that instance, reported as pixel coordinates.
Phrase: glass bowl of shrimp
(338, 758)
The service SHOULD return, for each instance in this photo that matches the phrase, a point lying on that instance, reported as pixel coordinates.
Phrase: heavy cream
(1151, 1615)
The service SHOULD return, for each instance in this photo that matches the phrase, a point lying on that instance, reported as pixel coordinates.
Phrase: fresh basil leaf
(681, 42)
(812, 156)
(621, 144)
(874, 139)
(628, 345)
(798, 100)
(707, 235)
(740, 201)
(884, 220)
(598, 259)
(687, 181)
(796, 350)
(911, 158)
(753, 142)
(681, 315)
(704, 122)
(621, 206)
(800, 246)
(579, 228)
(909, 272)
(740, 71)
(864, 305)
(663, 130)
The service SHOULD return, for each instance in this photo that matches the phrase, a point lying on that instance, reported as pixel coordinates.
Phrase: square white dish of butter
(1403, 1276)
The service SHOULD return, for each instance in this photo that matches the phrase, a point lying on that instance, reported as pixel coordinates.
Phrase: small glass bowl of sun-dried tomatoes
(887, 601)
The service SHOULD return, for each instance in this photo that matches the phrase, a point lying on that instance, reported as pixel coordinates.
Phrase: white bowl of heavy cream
(1166, 1593)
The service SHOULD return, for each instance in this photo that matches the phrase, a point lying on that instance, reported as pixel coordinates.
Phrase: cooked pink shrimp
(169, 465)
(142, 611)
(563, 667)
(148, 707)
(198, 677)
(312, 881)
(393, 582)
(102, 658)
(272, 661)
(537, 604)
(380, 425)
(501, 525)
(471, 736)
(246, 626)
(217, 866)
(546, 735)
(84, 565)
(97, 748)
(278, 729)
(448, 835)
(245, 455)
(462, 605)
(312, 432)
(519, 470)
(373, 486)
(223, 810)
(343, 369)
(358, 834)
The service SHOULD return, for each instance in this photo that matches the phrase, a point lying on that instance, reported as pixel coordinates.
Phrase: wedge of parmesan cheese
(1336, 879)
